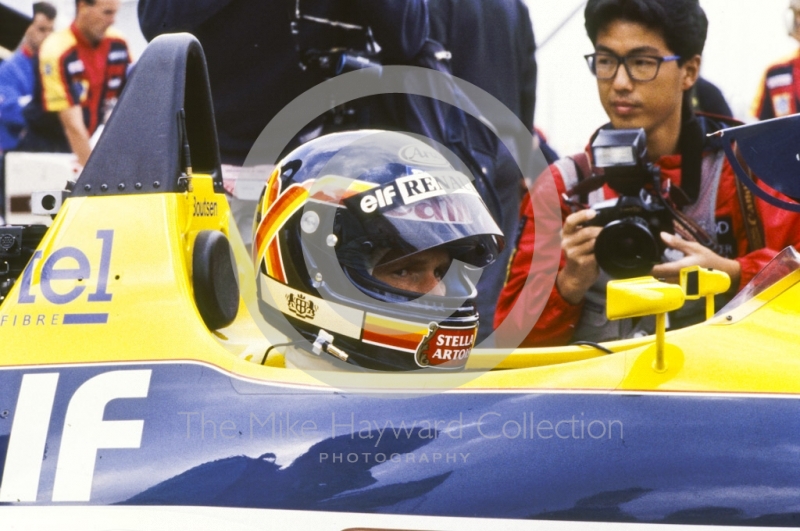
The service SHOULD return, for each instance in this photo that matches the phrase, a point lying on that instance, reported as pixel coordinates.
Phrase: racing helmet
(341, 204)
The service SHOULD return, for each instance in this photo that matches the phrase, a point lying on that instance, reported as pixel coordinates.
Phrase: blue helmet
(338, 205)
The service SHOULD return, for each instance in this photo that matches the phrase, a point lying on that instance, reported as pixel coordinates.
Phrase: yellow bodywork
(151, 316)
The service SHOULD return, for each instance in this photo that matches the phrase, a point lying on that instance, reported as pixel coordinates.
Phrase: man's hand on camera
(581, 269)
(694, 254)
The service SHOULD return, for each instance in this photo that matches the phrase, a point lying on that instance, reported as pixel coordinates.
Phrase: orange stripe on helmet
(393, 333)
(283, 208)
(274, 262)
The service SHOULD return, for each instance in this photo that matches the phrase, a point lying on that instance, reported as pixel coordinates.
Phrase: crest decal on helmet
(300, 306)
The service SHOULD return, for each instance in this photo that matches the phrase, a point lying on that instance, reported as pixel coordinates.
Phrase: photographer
(647, 58)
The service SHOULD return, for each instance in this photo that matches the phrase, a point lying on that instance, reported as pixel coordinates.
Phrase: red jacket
(779, 94)
(558, 319)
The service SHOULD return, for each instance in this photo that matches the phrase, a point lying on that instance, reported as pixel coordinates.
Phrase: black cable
(598, 346)
(289, 344)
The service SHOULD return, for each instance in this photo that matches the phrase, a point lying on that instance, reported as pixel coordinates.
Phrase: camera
(331, 63)
(329, 48)
(351, 46)
(630, 243)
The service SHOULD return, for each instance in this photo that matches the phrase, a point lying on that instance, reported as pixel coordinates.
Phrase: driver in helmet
(368, 246)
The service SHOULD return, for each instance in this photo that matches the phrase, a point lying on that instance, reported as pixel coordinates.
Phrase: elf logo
(69, 264)
(403, 191)
(85, 432)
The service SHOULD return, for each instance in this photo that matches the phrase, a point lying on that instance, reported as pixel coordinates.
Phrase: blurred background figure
(493, 47)
(17, 76)
(264, 64)
(779, 94)
(708, 98)
(82, 70)
(254, 58)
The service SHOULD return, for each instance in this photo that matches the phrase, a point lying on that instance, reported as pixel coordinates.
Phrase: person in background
(493, 47)
(258, 69)
(82, 70)
(779, 94)
(708, 98)
(17, 75)
(647, 58)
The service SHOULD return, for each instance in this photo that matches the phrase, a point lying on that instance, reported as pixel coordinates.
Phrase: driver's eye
(400, 272)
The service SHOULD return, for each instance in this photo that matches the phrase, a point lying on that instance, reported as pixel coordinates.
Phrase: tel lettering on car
(63, 276)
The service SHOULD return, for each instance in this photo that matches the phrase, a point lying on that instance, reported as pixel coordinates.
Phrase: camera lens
(626, 248)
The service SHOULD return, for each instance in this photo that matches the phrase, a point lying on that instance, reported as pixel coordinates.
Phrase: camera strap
(747, 203)
(587, 182)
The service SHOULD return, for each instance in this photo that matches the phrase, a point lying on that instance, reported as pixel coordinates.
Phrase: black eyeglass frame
(591, 61)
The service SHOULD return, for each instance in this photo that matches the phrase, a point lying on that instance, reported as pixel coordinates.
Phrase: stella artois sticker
(445, 347)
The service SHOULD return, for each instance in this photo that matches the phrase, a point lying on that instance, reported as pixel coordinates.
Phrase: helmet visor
(418, 212)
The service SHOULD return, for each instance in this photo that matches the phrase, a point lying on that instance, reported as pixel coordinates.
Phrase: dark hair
(87, 2)
(682, 23)
(45, 8)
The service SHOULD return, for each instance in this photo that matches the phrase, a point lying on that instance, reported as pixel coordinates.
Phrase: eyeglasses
(604, 65)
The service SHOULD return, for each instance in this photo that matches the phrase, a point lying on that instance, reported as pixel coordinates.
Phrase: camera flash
(605, 157)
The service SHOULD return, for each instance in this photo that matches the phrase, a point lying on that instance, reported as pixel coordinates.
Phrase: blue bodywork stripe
(85, 318)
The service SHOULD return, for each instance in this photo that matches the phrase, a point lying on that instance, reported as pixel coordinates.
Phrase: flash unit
(619, 147)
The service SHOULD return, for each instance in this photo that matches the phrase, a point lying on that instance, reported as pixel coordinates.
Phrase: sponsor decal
(75, 67)
(330, 315)
(300, 306)
(416, 154)
(204, 209)
(65, 267)
(81, 90)
(436, 210)
(445, 347)
(783, 104)
(85, 432)
(114, 83)
(51, 319)
(117, 55)
(726, 239)
(410, 190)
(780, 80)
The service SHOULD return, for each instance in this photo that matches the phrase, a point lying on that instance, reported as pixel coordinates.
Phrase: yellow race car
(139, 391)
